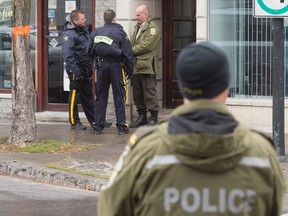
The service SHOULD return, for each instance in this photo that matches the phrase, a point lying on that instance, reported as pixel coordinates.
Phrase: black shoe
(96, 132)
(123, 132)
(78, 126)
(107, 124)
(152, 122)
(154, 117)
(142, 120)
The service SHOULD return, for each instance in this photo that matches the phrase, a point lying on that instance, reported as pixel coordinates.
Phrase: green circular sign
(272, 11)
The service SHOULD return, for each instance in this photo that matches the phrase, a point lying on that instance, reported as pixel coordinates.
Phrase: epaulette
(268, 138)
(139, 134)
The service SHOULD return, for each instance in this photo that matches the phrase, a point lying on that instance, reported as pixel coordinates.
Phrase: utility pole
(278, 86)
(276, 9)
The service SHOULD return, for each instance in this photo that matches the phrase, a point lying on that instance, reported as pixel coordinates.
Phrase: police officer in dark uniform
(76, 38)
(112, 51)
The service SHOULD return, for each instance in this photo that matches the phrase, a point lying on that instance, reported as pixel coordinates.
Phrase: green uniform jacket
(146, 49)
(169, 170)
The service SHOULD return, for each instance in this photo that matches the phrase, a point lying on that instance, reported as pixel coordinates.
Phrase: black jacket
(110, 42)
(75, 41)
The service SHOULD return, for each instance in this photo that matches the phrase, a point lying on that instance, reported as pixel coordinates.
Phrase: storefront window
(6, 16)
(248, 43)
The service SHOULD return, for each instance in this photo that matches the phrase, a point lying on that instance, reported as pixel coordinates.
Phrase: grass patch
(93, 174)
(45, 146)
(3, 140)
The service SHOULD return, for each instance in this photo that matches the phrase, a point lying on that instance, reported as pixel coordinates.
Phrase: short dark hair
(74, 14)
(109, 15)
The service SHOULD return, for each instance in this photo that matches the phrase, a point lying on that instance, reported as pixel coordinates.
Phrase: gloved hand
(129, 76)
(76, 76)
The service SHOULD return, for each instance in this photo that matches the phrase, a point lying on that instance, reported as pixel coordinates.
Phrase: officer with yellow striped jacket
(201, 161)
(76, 38)
(114, 61)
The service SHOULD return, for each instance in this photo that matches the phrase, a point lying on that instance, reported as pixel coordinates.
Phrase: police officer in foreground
(112, 51)
(76, 38)
(201, 161)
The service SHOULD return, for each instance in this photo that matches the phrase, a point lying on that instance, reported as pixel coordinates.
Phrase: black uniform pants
(110, 72)
(145, 92)
(81, 91)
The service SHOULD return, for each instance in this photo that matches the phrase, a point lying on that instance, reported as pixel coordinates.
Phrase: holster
(86, 68)
(99, 60)
(83, 66)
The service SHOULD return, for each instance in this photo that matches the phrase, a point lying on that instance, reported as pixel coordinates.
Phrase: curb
(59, 177)
(29, 171)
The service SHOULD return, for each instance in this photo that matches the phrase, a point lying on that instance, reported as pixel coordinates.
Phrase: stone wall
(101, 6)
(5, 105)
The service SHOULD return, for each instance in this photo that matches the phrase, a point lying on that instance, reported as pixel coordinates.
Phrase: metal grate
(253, 74)
(247, 42)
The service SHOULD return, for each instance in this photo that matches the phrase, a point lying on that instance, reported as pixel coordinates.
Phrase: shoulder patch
(139, 134)
(153, 31)
(103, 39)
(66, 37)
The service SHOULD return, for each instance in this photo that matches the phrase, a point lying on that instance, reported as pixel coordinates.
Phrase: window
(6, 57)
(247, 42)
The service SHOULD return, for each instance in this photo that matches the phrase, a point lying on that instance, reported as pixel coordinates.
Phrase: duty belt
(107, 59)
(83, 65)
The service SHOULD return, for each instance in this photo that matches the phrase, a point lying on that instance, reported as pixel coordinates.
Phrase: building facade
(229, 24)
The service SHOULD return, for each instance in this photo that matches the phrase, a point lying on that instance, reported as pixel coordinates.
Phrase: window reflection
(6, 58)
(248, 43)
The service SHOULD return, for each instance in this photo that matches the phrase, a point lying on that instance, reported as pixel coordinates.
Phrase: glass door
(58, 12)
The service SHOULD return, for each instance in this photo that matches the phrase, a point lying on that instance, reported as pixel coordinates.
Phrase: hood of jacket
(69, 25)
(208, 137)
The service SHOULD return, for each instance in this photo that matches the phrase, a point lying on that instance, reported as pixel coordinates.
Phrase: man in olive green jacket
(145, 45)
(201, 161)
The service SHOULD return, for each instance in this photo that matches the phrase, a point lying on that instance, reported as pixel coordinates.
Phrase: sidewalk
(99, 161)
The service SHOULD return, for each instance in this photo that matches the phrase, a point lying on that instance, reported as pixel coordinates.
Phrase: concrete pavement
(99, 161)
(17, 199)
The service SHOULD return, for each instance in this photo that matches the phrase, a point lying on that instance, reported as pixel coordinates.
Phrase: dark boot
(154, 118)
(107, 124)
(142, 119)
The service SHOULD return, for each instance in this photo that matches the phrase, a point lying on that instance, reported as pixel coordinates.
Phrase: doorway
(179, 30)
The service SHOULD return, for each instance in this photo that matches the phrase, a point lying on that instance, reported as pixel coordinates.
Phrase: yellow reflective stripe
(162, 160)
(255, 162)
(172, 160)
(72, 106)
(103, 39)
(125, 84)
